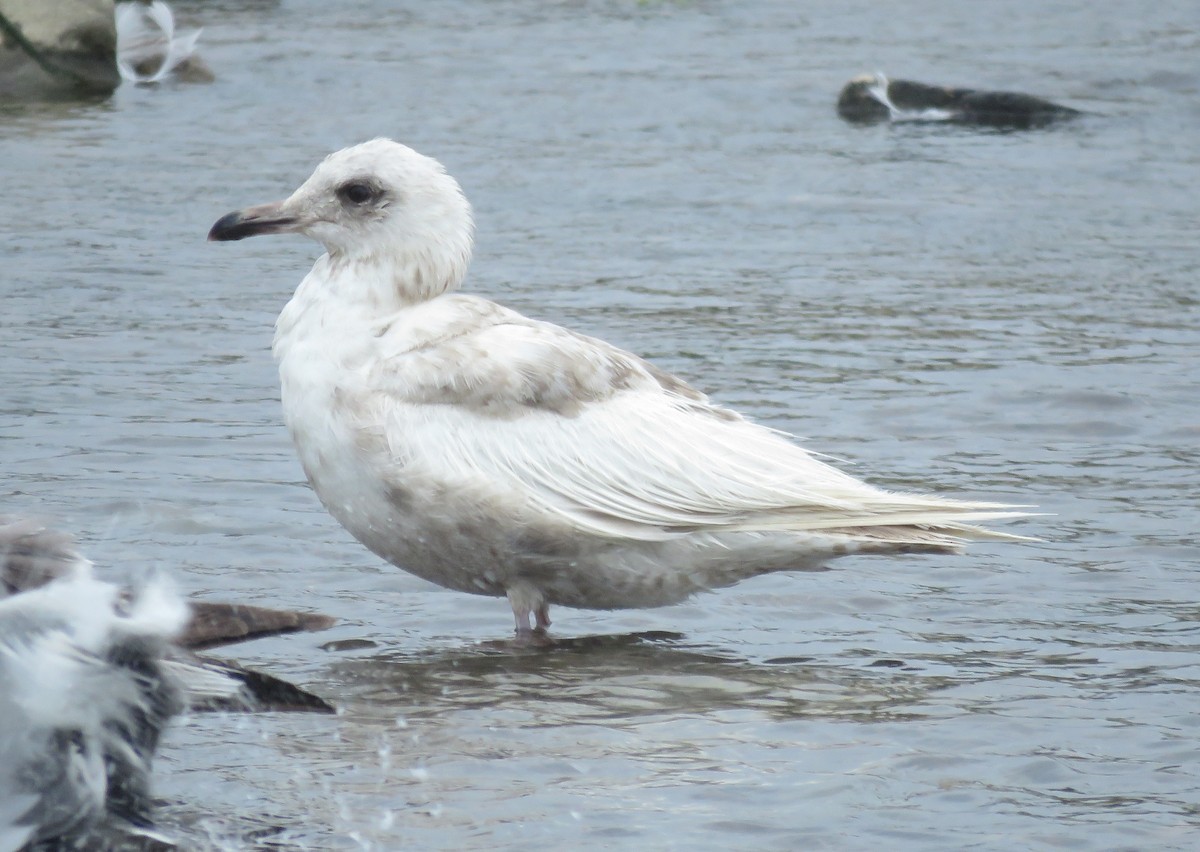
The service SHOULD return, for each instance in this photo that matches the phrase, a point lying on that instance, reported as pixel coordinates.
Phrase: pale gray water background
(1009, 316)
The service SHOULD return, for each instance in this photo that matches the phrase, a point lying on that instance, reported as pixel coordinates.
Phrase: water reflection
(619, 679)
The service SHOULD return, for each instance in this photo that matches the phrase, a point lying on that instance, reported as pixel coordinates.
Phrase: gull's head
(376, 201)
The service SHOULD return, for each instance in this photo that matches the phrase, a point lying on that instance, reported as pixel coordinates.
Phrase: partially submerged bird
(90, 675)
(872, 98)
(500, 455)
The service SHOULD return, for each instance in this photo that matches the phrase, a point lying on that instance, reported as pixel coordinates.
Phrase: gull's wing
(146, 34)
(598, 437)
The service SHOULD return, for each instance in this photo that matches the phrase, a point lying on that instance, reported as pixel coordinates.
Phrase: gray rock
(57, 49)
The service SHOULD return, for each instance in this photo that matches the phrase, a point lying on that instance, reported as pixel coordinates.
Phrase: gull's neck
(345, 291)
(380, 284)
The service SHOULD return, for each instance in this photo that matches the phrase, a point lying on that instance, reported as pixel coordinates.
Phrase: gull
(84, 691)
(91, 674)
(501, 455)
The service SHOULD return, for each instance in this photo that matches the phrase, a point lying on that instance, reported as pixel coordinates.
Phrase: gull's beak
(264, 219)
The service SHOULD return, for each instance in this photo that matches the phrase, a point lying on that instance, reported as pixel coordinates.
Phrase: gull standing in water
(500, 455)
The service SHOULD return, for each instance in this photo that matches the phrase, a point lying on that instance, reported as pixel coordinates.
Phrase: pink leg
(543, 616)
(521, 614)
(524, 601)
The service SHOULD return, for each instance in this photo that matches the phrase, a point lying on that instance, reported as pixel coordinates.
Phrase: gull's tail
(903, 523)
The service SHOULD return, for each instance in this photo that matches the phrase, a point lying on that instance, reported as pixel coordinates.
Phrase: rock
(57, 49)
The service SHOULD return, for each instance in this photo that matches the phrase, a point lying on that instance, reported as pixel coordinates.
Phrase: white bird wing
(600, 438)
(146, 33)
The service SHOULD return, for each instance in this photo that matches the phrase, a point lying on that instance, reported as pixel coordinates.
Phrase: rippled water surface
(1009, 316)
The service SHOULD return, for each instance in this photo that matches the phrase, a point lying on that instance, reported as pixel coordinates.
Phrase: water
(1008, 316)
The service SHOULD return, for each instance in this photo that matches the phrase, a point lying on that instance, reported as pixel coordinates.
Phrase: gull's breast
(355, 441)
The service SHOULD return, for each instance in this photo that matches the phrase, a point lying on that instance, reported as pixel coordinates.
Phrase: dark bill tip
(245, 223)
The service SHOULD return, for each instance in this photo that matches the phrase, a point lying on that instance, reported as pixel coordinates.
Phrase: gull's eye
(356, 192)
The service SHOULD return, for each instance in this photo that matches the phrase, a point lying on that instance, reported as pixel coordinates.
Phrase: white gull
(500, 455)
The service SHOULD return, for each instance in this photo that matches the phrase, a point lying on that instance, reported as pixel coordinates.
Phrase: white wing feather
(146, 33)
(594, 435)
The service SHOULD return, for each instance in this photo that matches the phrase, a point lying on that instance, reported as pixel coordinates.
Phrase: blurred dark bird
(872, 98)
